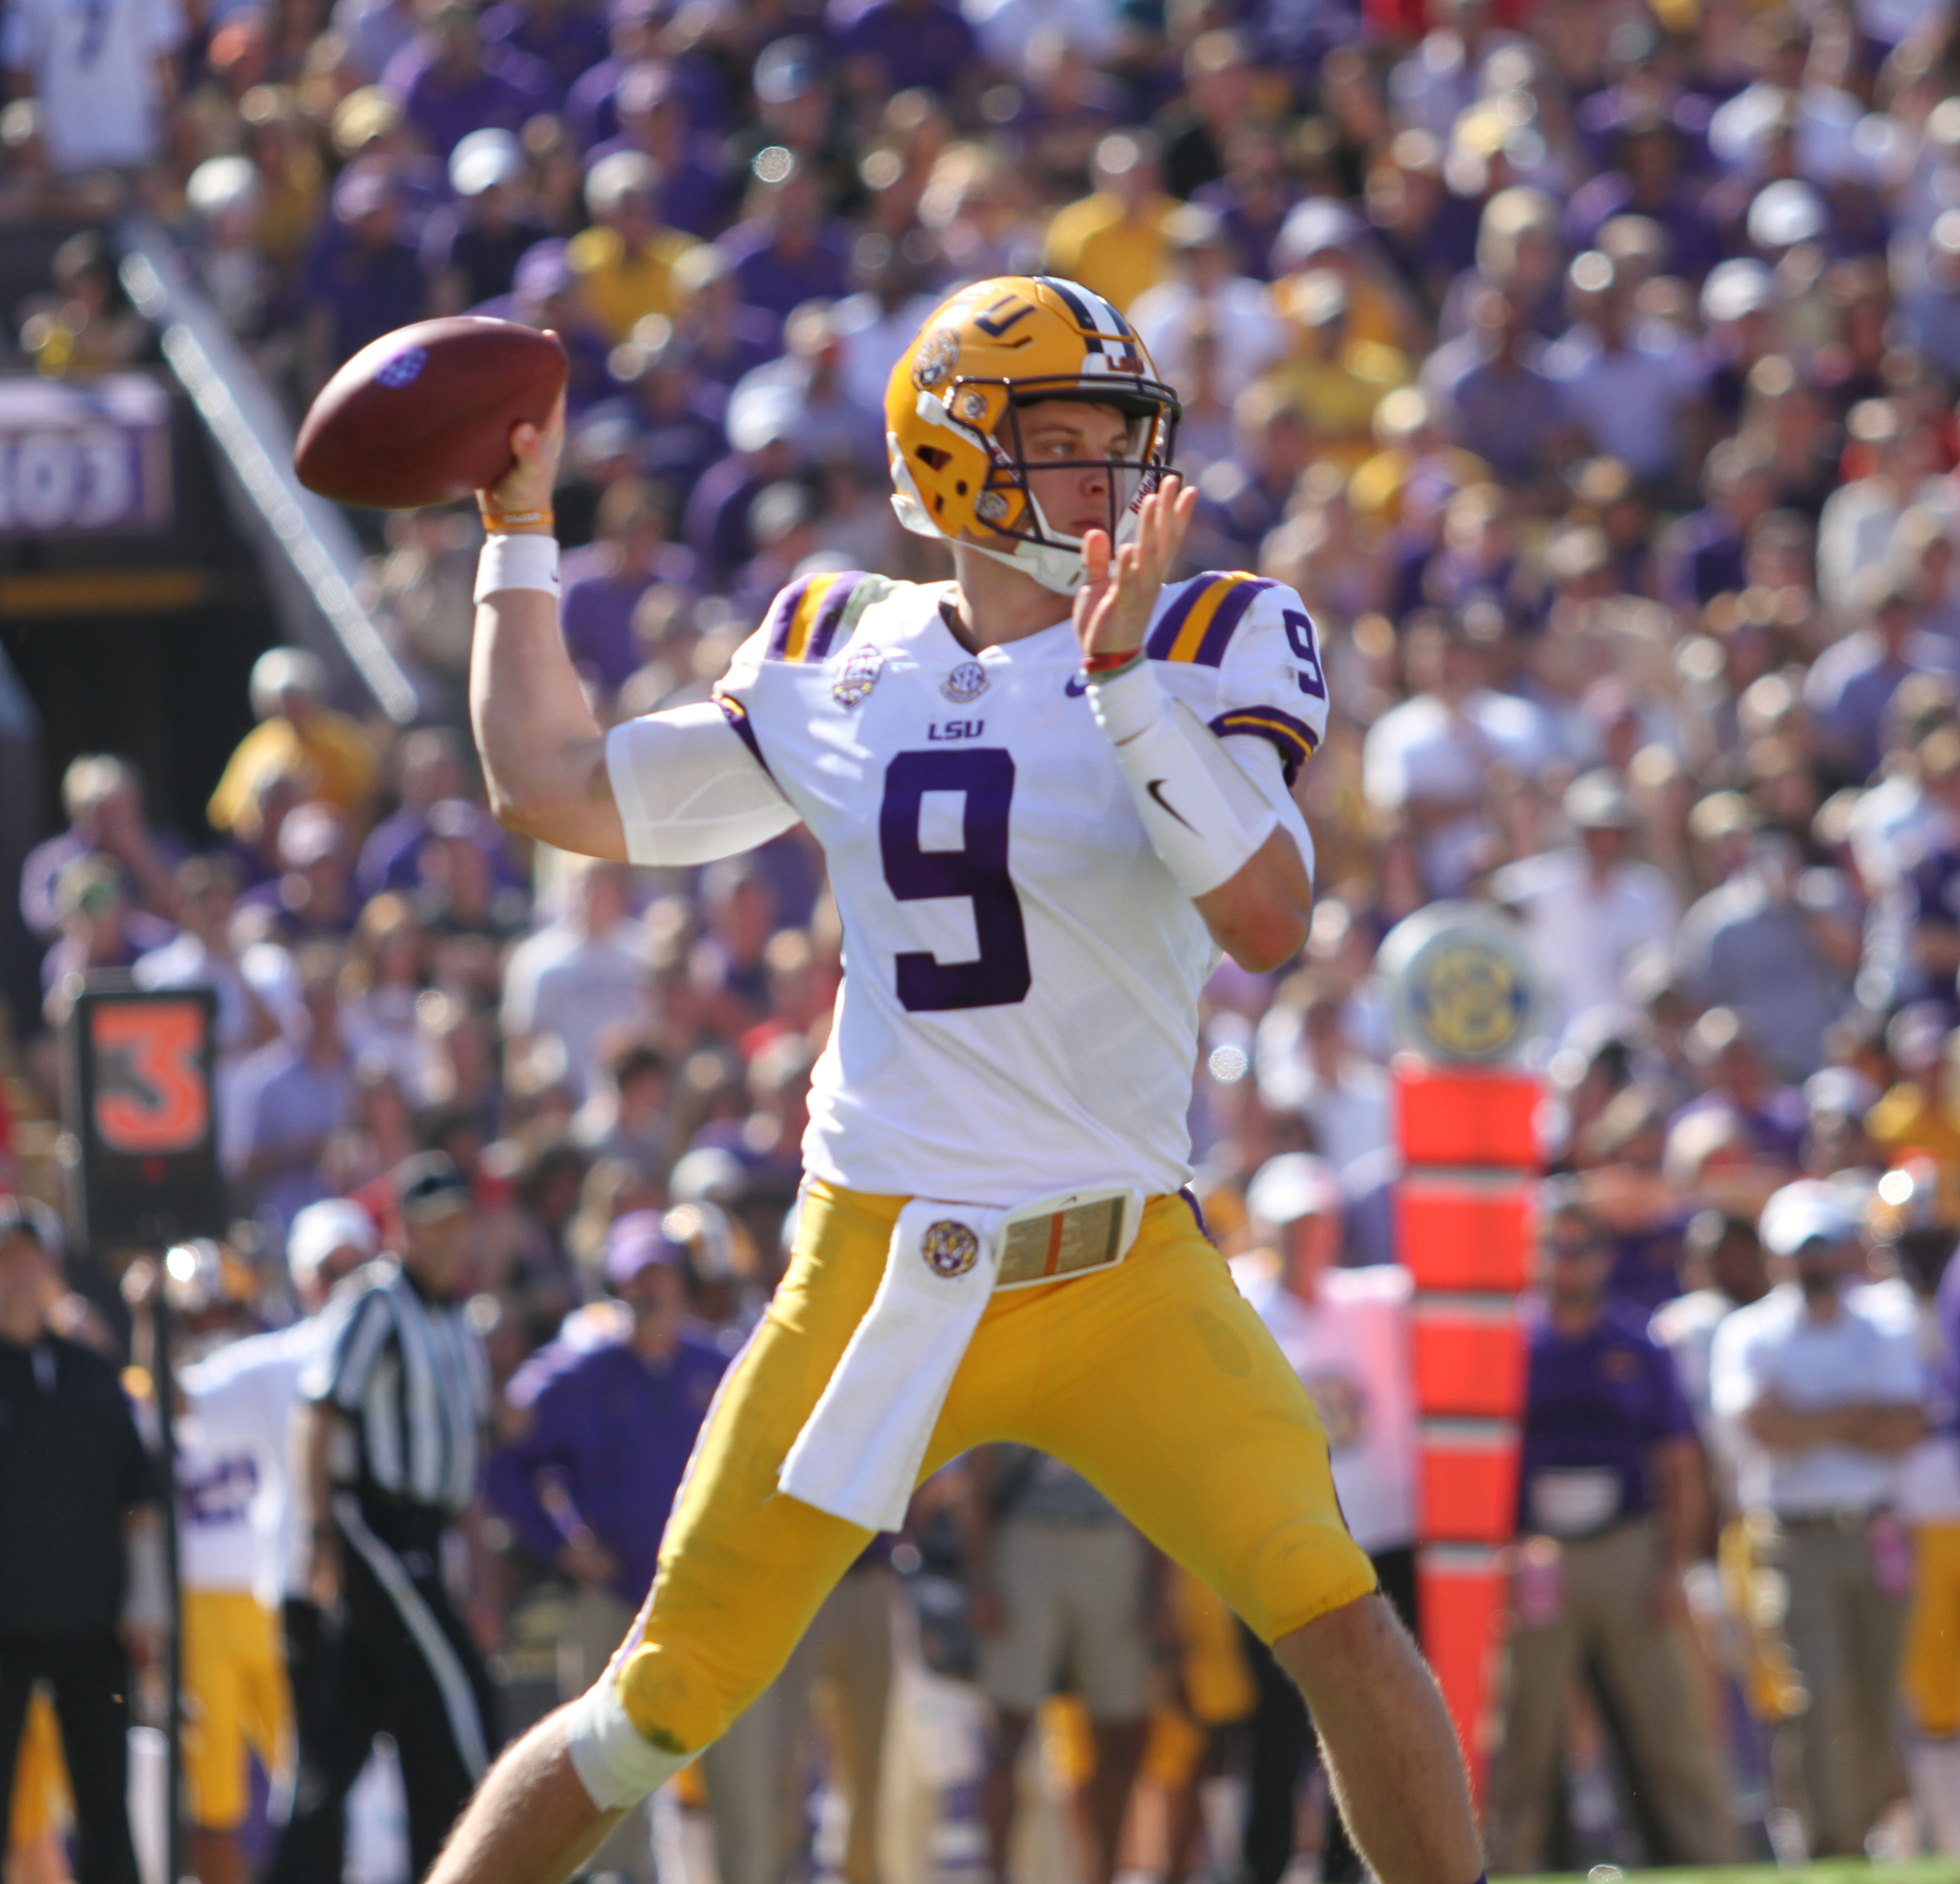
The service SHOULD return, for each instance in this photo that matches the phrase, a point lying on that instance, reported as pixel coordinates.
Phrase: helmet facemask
(1029, 542)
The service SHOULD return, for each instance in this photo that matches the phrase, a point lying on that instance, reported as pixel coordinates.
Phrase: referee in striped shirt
(387, 1453)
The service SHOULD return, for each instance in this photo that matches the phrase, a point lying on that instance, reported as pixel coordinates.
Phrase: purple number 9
(978, 871)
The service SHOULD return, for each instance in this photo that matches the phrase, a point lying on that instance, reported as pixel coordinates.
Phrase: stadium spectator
(1346, 1332)
(603, 1425)
(1611, 1503)
(1820, 1399)
(102, 797)
(1060, 1580)
(571, 980)
(74, 1480)
(297, 731)
(1115, 240)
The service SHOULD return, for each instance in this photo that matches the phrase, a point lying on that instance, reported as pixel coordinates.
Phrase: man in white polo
(1820, 1400)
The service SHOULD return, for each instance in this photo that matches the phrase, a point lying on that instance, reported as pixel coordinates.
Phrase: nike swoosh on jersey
(1075, 686)
(1155, 788)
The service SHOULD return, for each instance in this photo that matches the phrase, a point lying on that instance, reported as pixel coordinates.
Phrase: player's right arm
(676, 787)
(543, 753)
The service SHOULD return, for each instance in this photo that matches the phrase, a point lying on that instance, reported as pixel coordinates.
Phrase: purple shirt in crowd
(930, 45)
(780, 282)
(511, 89)
(592, 111)
(1601, 1400)
(567, 41)
(285, 1104)
(693, 194)
(596, 609)
(615, 1432)
(368, 291)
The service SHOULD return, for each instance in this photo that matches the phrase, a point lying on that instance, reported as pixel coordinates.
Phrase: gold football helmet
(953, 423)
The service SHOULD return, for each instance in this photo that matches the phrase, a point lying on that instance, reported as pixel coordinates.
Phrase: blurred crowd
(1590, 370)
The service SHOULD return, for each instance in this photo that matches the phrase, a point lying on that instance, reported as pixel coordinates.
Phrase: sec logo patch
(950, 1249)
(967, 682)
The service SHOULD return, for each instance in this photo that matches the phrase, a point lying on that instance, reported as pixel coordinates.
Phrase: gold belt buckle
(1067, 1235)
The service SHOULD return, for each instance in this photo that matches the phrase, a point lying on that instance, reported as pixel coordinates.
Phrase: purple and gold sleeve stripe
(803, 622)
(1199, 626)
(1296, 740)
(736, 714)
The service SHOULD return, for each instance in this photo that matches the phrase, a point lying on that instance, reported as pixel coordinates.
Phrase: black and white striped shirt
(411, 1375)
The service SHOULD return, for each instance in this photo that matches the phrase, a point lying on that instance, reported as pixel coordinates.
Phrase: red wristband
(1109, 662)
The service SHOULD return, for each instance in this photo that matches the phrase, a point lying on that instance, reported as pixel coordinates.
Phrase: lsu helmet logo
(938, 354)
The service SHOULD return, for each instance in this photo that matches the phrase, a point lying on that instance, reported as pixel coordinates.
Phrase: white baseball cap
(1294, 1185)
(337, 1223)
(484, 159)
(1807, 1211)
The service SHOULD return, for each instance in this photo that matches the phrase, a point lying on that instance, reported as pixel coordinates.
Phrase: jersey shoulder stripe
(818, 614)
(1198, 625)
(1297, 741)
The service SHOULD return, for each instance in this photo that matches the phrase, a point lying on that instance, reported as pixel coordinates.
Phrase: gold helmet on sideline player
(953, 417)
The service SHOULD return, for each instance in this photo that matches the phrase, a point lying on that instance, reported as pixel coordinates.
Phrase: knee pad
(649, 1715)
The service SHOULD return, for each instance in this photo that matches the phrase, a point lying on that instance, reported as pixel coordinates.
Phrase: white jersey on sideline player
(231, 1463)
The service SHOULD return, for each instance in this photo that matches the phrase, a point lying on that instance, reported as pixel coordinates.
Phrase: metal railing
(252, 432)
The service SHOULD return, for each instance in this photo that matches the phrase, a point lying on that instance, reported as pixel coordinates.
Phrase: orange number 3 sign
(163, 1104)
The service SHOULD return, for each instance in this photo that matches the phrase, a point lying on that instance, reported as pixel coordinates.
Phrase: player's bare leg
(532, 1821)
(1390, 1749)
(997, 1799)
(1119, 1753)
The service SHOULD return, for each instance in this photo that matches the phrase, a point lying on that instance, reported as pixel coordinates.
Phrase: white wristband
(1127, 702)
(616, 1764)
(1205, 818)
(517, 562)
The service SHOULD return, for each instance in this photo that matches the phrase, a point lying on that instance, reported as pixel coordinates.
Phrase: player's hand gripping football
(1113, 607)
(524, 491)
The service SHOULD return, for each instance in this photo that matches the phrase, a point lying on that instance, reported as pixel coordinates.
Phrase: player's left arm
(1230, 837)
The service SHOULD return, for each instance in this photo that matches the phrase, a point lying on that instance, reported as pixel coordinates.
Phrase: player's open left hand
(526, 489)
(1113, 607)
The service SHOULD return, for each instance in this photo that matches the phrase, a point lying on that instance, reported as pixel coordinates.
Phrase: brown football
(423, 414)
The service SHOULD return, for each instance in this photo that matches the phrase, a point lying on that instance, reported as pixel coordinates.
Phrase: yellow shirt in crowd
(617, 285)
(338, 754)
(1091, 241)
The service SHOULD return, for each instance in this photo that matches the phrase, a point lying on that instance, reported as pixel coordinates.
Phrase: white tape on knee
(616, 1764)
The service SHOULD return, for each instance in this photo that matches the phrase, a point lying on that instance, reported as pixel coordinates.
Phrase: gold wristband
(502, 523)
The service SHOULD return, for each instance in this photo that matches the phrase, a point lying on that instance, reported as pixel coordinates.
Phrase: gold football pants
(1154, 1380)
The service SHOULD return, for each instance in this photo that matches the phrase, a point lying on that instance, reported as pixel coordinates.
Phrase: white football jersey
(236, 1524)
(1019, 1015)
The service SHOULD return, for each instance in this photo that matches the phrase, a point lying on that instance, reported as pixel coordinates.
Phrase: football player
(1049, 792)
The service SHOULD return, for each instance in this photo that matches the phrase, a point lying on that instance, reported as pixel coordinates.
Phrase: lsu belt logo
(859, 676)
(950, 1249)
